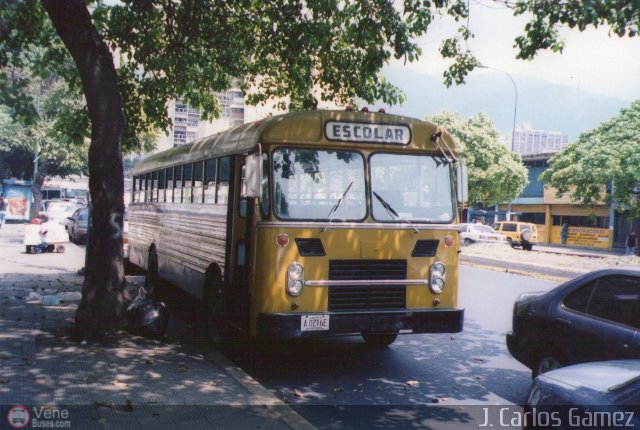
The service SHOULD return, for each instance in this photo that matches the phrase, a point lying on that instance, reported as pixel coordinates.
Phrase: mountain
(545, 105)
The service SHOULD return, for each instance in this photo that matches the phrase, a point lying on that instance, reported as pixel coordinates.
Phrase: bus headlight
(437, 277)
(295, 279)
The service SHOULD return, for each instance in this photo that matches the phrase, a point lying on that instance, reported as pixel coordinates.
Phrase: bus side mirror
(462, 183)
(252, 176)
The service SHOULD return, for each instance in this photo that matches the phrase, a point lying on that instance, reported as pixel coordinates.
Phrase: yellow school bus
(308, 224)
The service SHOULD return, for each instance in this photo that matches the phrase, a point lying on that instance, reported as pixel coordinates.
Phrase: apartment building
(528, 140)
(188, 124)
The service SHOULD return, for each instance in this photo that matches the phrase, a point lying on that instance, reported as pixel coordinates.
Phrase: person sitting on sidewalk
(42, 246)
(631, 243)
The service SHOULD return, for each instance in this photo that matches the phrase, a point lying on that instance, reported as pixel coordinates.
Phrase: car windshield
(416, 187)
(310, 184)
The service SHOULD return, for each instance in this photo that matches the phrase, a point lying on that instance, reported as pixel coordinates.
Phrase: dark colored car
(603, 394)
(77, 225)
(594, 317)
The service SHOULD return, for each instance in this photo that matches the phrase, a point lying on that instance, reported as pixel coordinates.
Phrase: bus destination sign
(395, 134)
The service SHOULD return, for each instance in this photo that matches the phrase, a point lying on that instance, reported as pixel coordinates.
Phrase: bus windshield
(309, 183)
(416, 187)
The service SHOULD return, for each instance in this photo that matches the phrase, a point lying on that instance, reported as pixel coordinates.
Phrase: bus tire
(212, 303)
(379, 340)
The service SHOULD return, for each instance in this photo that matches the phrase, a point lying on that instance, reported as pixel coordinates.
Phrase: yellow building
(588, 226)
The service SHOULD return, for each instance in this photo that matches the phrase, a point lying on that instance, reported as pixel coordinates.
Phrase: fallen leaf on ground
(104, 404)
(128, 406)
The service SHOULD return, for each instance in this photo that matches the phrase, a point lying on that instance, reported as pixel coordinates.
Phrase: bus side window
(147, 187)
(264, 199)
(210, 181)
(154, 186)
(169, 194)
(188, 182)
(197, 181)
(161, 185)
(134, 189)
(177, 198)
(141, 188)
(223, 182)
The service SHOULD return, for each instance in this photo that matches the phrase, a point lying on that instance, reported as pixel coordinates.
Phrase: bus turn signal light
(282, 239)
(448, 241)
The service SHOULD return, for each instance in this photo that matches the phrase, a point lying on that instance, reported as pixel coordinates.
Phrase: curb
(291, 418)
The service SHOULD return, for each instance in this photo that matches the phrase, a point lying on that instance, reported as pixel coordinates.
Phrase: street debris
(439, 399)
(128, 405)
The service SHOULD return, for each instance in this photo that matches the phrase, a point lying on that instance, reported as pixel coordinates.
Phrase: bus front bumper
(351, 323)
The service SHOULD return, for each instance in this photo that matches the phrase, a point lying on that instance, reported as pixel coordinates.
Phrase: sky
(592, 60)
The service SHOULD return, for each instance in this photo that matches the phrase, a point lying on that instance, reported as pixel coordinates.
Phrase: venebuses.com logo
(18, 417)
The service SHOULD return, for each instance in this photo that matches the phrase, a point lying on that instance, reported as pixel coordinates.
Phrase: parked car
(604, 394)
(78, 225)
(522, 234)
(472, 233)
(60, 211)
(591, 318)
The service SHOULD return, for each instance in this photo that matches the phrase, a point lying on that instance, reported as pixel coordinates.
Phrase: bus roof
(296, 127)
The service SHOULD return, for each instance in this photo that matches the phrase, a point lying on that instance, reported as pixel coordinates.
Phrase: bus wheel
(212, 296)
(379, 340)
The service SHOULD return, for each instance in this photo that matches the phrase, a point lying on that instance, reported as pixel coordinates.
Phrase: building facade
(188, 124)
(530, 141)
(589, 226)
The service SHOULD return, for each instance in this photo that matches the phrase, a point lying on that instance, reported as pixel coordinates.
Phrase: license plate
(314, 322)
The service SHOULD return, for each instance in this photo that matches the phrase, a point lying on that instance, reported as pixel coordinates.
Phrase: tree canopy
(43, 132)
(608, 153)
(495, 173)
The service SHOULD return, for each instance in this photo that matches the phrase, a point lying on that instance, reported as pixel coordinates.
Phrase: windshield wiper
(392, 213)
(335, 207)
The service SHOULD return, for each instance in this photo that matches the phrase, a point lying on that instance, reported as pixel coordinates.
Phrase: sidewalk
(139, 384)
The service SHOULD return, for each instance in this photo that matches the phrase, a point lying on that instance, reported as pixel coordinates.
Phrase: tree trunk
(102, 310)
(36, 188)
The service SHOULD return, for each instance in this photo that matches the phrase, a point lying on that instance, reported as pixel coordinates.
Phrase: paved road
(340, 383)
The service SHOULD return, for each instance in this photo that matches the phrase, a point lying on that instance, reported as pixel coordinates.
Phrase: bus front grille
(367, 297)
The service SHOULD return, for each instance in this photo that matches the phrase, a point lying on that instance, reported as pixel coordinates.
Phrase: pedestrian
(3, 210)
(631, 243)
(564, 232)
